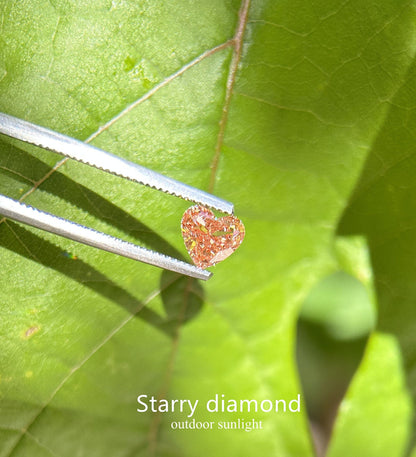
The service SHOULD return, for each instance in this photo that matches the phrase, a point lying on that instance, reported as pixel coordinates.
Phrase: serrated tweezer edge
(90, 155)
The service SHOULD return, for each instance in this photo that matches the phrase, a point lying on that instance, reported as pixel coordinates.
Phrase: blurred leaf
(376, 397)
(82, 338)
(340, 303)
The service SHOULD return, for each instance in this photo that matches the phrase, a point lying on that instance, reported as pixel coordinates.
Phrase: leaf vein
(238, 46)
(293, 109)
(41, 445)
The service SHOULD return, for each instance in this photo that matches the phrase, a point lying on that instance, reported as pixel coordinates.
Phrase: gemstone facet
(210, 240)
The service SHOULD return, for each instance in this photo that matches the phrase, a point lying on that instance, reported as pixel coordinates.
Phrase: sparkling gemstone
(210, 240)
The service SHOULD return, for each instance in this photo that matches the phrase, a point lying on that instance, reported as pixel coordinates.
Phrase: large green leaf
(279, 120)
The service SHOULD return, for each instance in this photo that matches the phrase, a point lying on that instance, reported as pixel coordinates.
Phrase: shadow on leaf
(182, 297)
(177, 290)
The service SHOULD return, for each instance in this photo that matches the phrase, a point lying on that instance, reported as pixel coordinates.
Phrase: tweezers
(90, 155)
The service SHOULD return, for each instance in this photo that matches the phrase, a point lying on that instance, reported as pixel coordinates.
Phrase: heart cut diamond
(208, 239)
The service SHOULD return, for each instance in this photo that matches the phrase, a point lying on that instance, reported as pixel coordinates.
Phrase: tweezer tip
(199, 273)
(229, 208)
(209, 275)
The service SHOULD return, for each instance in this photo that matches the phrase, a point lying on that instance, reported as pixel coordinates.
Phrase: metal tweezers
(90, 155)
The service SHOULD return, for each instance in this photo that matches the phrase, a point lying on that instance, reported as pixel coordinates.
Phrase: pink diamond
(210, 240)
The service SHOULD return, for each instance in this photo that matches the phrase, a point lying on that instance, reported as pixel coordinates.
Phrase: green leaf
(378, 399)
(341, 305)
(279, 120)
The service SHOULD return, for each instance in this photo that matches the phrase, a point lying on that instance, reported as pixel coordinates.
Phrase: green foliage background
(310, 111)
